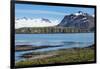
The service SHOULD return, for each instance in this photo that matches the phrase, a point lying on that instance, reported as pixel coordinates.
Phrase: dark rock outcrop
(80, 20)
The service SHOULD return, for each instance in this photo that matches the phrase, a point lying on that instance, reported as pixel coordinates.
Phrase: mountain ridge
(78, 20)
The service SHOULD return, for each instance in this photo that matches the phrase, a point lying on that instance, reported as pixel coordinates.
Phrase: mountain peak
(81, 13)
(25, 18)
(46, 20)
(78, 20)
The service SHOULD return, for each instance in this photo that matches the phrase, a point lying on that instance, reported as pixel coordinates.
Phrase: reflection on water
(64, 40)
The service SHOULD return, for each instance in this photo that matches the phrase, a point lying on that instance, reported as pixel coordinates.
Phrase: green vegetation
(62, 56)
(39, 30)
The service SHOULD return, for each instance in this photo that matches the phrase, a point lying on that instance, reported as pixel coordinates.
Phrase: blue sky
(49, 12)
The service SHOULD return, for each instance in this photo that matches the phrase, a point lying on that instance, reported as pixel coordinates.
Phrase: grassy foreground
(63, 56)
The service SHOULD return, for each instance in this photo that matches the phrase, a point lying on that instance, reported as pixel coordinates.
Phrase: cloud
(40, 12)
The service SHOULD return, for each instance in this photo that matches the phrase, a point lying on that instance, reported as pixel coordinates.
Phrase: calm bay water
(65, 40)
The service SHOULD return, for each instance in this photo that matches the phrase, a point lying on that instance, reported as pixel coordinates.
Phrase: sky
(49, 12)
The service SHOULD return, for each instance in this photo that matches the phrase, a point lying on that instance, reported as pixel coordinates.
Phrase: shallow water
(65, 40)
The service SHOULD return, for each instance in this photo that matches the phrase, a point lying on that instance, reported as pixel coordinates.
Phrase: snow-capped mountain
(34, 22)
(78, 20)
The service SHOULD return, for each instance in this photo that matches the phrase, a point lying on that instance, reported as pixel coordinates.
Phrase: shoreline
(58, 56)
(48, 52)
(20, 48)
(57, 33)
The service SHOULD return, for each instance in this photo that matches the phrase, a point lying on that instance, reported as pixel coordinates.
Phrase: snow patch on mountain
(78, 13)
(34, 22)
(78, 20)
